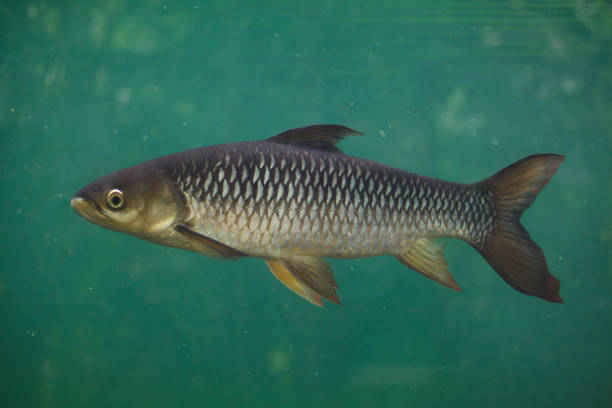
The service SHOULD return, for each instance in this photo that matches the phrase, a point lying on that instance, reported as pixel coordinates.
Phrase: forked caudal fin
(509, 249)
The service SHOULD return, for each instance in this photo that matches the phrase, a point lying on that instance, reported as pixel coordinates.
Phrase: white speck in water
(185, 123)
(570, 85)
(276, 35)
(492, 39)
(32, 11)
(124, 95)
(19, 211)
(145, 138)
(115, 131)
(495, 142)
(351, 103)
(12, 109)
(90, 288)
(382, 134)
(316, 373)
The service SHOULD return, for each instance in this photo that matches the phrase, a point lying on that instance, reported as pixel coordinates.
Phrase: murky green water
(93, 318)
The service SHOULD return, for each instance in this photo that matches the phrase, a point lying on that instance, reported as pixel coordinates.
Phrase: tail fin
(509, 249)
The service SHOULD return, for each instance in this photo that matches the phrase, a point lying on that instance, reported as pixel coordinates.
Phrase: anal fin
(427, 258)
(310, 277)
(208, 246)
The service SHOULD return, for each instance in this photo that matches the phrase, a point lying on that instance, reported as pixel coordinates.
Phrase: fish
(296, 198)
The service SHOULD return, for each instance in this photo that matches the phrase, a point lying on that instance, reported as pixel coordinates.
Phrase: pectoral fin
(208, 246)
(309, 277)
(427, 258)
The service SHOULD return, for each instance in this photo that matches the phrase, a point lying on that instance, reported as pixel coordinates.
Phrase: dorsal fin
(320, 137)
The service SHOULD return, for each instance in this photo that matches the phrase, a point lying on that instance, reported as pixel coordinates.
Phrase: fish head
(137, 201)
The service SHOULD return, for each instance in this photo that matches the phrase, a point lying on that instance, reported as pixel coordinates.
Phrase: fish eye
(115, 199)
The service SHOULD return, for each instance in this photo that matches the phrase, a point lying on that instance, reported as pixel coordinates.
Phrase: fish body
(296, 198)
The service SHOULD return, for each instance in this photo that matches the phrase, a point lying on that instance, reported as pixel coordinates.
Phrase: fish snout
(85, 207)
(78, 203)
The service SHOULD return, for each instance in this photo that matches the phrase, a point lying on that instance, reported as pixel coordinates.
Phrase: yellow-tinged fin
(208, 246)
(427, 257)
(310, 277)
(319, 137)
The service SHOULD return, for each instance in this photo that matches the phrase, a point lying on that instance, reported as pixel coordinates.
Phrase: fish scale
(332, 203)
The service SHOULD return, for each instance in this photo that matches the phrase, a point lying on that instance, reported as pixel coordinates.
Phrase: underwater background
(448, 89)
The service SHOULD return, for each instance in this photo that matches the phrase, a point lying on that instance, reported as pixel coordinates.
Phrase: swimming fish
(296, 198)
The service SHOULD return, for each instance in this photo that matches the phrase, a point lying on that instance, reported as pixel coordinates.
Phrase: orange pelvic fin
(309, 277)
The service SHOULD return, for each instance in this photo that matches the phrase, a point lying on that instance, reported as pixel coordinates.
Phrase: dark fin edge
(319, 137)
(509, 249)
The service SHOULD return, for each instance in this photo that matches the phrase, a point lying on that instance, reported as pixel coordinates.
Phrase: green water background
(455, 90)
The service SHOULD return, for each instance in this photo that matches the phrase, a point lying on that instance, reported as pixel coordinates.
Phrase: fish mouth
(88, 209)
